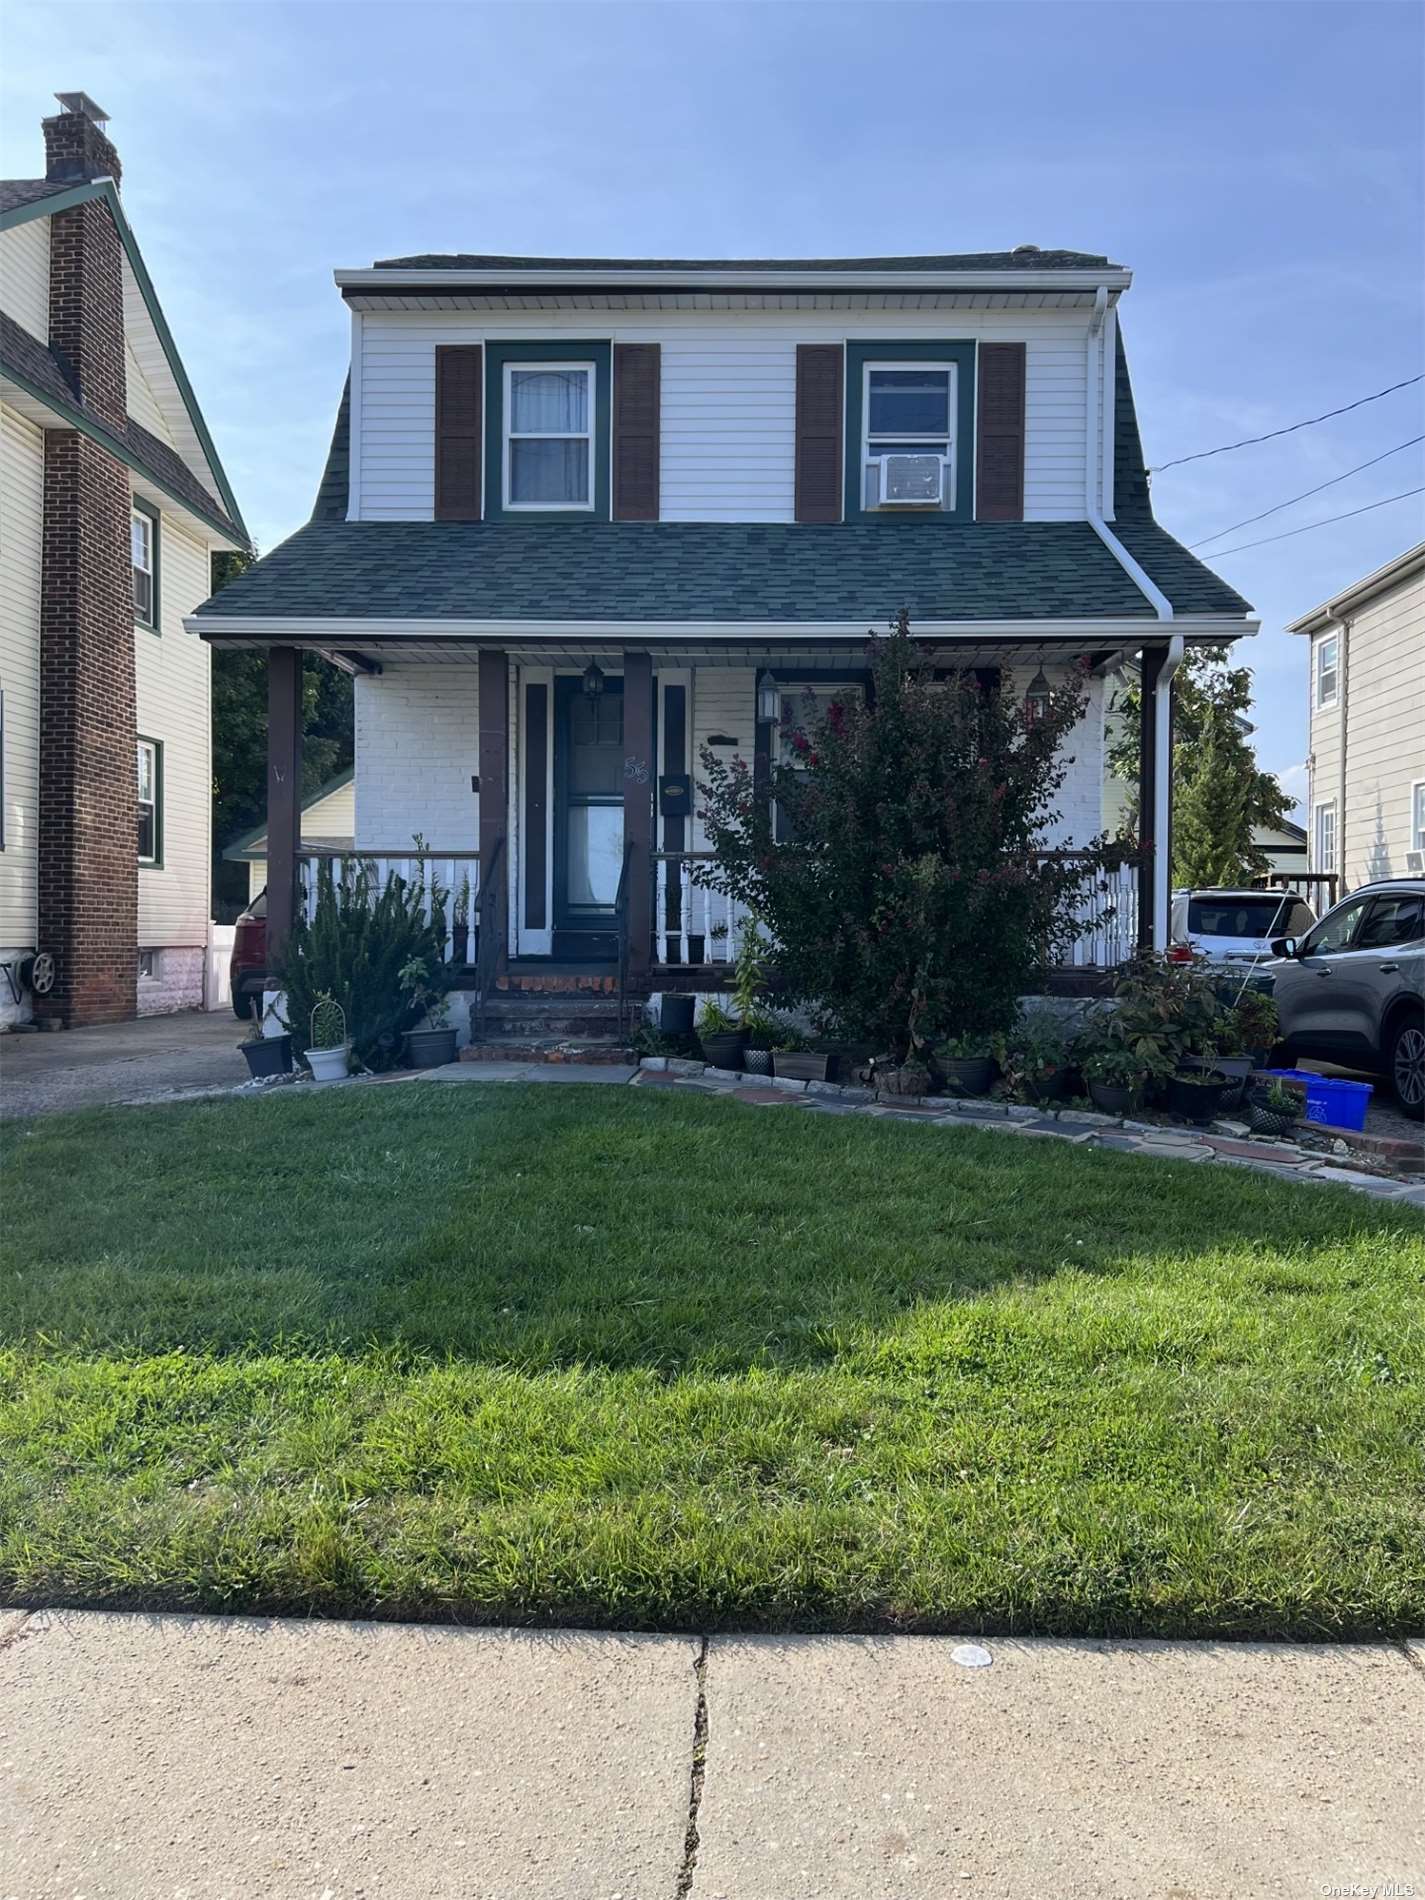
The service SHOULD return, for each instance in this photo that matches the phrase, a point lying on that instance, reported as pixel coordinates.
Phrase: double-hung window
(1417, 815)
(549, 435)
(150, 802)
(908, 409)
(1328, 670)
(143, 546)
(1326, 837)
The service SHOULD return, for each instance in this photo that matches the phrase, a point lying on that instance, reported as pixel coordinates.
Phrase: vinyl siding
(21, 528)
(142, 403)
(173, 706)
(1385, 732)
(331, 817)
(728, 399)
(24, 275)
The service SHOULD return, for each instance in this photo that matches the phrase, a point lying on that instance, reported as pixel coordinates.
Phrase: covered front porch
(550, 786)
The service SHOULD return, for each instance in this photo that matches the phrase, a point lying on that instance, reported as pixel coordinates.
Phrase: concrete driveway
(41, 1072)
(146, 1757)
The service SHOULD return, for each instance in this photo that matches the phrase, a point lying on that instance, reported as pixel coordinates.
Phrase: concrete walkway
(230, 1759)
(148, 1060)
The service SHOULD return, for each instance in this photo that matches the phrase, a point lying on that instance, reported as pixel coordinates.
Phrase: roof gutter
(733, 278)
(1094, 372)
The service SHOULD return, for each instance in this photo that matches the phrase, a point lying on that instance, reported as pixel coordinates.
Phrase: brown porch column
(1149, 791)
(494, 798)
(284, 793)
(639, 773)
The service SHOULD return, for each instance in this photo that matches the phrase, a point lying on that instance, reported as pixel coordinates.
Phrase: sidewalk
(242, 1759)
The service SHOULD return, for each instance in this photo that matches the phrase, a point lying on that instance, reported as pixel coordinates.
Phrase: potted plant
(721, 1036)
(1254, 1026)
(794, 1059)
(761, 1032)
(328, 1055)
(967, 1063)
(1035, 1059)
(432, 1045)
(1197, 1094)
(266, 1055)
(1273, 1109)
(759, 1027)
(1116, 1079)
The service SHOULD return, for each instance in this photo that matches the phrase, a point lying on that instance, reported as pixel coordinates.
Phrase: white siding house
(578, 513)
(1366, 686)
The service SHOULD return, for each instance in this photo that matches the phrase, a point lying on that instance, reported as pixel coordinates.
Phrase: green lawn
(606, 1356)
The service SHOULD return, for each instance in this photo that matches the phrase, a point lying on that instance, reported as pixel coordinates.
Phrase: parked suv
(1352, 990)
(1234, 926)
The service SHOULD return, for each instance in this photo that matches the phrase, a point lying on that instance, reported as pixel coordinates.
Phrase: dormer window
(549, 436)
(908, 447)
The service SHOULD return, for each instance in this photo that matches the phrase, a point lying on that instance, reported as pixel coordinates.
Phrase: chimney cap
(85, 107)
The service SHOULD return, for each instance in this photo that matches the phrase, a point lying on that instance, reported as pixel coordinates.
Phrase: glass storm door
(588, 803)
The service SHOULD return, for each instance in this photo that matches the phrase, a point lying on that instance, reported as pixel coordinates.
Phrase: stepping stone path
(1079, 1127)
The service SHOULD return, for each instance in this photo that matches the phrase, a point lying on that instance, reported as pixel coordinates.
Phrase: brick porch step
(548, 1049)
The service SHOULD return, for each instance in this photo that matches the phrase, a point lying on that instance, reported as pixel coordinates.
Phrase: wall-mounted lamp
(769, 700)
(593, 680)
(1036, 699)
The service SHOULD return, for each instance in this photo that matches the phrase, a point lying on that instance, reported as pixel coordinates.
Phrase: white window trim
(151, 747)
(1319, 699)
(951, 440)
(1417, 815)
(1318, 857)
(548, 435)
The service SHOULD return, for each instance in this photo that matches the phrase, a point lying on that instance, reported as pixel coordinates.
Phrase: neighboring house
(1285, 848)
(582, 518)
(328, 826)
(112, 501)
(1366, 765)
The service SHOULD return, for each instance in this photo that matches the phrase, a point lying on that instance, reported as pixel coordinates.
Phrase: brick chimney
(87, 830)
(77, 148)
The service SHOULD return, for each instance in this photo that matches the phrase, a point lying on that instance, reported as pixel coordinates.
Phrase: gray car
(1352, 990)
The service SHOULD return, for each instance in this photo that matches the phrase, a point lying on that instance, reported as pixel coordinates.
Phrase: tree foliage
(240, 725)
(913, 900)
(1220, 794)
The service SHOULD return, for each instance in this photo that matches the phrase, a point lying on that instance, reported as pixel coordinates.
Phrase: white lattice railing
(691, 924)
(696, 926)
(456, 873)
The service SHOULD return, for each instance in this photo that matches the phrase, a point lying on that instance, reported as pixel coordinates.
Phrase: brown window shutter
(459, 430)
(637, 377)
(999, 429)
(819, 472)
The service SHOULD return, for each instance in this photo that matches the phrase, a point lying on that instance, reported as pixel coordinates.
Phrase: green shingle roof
(1025, 257)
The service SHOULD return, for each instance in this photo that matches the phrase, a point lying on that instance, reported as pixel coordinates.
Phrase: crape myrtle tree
(910, 897)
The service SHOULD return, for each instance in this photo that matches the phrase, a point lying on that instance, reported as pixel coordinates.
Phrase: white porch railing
(692, 925)
(457, 873)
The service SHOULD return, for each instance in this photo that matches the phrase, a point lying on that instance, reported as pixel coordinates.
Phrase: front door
(588, 818)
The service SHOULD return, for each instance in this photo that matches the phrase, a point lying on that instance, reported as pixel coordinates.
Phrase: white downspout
(1162, 797)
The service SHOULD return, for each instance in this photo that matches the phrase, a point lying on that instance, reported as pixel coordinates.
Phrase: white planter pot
(327, 1065)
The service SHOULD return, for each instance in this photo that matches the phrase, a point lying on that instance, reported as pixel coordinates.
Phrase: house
(1366, 764)
(328, 829)
(112, 501)
(582, 518)
(1285, 849)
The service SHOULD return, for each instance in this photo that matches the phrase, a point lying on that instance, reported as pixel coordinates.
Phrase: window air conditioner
(906, 481)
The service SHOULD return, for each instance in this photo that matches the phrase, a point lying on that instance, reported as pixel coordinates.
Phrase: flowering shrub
(912, 901)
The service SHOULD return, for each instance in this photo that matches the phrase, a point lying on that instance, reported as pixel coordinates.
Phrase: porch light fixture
(1036, 699)
(769, 700)
(593, 680)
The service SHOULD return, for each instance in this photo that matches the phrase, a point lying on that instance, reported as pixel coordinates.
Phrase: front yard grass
(567, 1355)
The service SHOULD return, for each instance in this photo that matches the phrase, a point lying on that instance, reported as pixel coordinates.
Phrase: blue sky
(1258, 166)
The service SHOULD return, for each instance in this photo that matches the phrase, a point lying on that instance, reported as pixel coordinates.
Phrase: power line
(1248, 442)
(1307, 493)
(1242, 547)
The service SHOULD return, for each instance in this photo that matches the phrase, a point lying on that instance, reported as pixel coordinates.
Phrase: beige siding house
(105, 858)
(1367, 699)
(328, 824)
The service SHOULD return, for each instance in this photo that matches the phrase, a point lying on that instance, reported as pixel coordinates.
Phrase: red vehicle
(247, 970)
